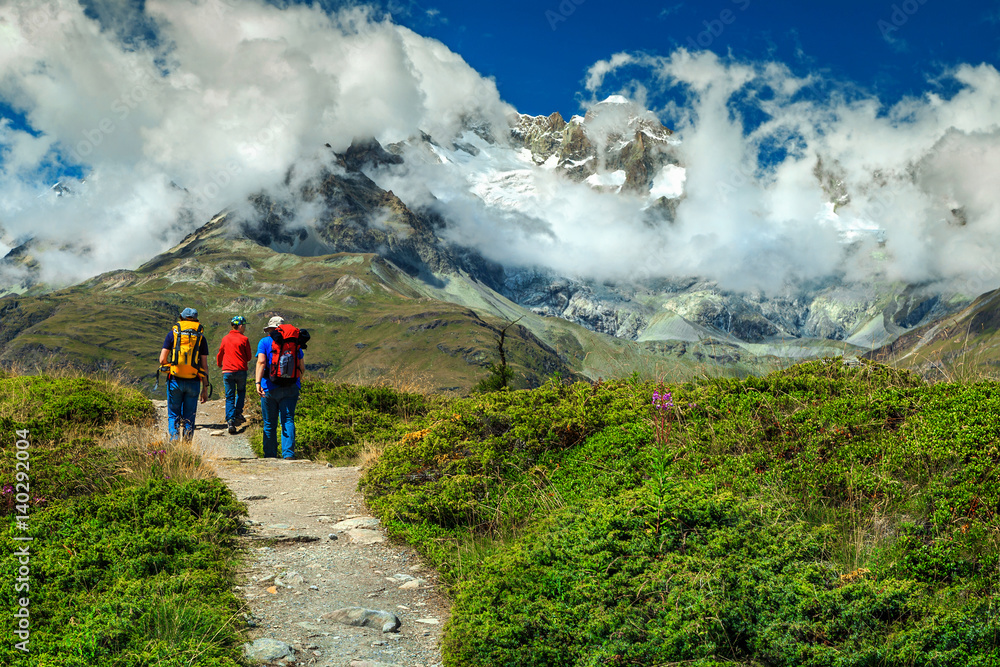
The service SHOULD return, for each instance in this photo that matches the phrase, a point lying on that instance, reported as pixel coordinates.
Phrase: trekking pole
(161, 369)
(211, 389)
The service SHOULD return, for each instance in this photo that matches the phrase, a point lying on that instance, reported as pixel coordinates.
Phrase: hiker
(279, 378)
(185, 351)
(233, 358)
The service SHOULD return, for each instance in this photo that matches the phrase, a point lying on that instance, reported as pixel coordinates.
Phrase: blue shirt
(264, 347)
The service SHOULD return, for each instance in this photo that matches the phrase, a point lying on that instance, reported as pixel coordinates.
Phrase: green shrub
(332, 419)
(140, 575)
(820, 515)
(62, 418)
(51, 407)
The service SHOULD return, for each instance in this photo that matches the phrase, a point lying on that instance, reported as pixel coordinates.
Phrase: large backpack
(282, 366)
(185, 358)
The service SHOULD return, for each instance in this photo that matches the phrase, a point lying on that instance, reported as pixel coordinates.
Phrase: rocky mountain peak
(616, 146)
(367, 152)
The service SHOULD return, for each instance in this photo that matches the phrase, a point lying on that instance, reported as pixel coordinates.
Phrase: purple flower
(8, 489)
(663, 401)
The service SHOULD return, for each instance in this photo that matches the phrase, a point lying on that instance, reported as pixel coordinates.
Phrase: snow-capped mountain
(488, 193)
(517, 209)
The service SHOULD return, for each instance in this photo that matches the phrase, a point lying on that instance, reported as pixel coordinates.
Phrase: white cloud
(220, 102)
(229, 94)
(761, 225)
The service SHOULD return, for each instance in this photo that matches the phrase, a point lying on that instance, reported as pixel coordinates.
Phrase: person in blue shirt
(277, 403)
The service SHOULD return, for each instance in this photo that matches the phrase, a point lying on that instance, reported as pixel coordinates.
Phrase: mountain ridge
(344, 203)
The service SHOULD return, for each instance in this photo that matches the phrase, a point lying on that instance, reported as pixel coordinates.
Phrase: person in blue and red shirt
(277, 403)
(233, 358)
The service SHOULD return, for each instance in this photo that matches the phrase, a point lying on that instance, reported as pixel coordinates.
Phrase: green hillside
(964, 346)
(369, 320)
(365, 318)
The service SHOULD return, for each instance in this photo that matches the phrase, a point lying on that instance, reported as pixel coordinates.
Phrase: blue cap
(238, 320)
(189, 314)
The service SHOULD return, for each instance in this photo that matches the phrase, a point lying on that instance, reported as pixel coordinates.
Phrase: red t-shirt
(234, 352)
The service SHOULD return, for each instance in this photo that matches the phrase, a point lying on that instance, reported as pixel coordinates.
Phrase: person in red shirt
(233, 357)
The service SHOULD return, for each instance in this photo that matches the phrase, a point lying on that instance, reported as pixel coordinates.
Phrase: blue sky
(539, 52)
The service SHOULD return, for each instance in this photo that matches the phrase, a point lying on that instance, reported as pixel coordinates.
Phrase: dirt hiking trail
(312, 549)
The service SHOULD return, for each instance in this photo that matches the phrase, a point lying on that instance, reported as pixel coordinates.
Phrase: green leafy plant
(819, 515)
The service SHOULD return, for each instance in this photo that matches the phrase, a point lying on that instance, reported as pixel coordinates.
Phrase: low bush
(63, 419)
(137, 576)
(132, 558)
(332, 421)
(820, 515)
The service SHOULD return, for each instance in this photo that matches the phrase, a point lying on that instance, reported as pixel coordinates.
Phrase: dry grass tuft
(143, 453)
(400, 378)
(371, 451)
(58, 367)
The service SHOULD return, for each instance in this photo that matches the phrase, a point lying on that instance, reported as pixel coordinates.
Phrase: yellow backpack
(185, 358)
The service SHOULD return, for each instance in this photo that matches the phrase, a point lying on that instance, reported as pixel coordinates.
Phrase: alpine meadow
(638, 335)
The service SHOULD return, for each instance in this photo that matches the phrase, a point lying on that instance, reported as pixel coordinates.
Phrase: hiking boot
(232, 427)
(240, 420)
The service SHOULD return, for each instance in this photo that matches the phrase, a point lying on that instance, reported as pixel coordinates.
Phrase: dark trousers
(235, 383)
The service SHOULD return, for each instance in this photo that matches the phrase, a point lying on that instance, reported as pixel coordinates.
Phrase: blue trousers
(278, 406)
(235, 383)
(182, 406)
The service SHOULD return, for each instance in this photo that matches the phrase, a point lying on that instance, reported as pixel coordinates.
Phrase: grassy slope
(366, 319)
(133, 555)
(821, 515)
(964, 346)
(369, 320)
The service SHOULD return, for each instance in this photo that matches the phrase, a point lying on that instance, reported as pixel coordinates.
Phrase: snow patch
(440, 153)
(507, 190)
(577, 163)
(668, 182)
(615, 99)
(606, 180)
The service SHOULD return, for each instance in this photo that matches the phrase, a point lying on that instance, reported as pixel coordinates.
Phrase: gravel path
(313, 548)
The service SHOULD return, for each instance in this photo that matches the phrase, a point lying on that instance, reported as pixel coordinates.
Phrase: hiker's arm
(302, 367)
(164, 356)
(204, 378)
(259, 374)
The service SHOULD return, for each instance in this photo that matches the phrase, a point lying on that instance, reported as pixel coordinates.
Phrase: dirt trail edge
(313, 548)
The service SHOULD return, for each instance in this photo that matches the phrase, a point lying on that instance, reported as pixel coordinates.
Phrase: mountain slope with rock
(373, 230)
